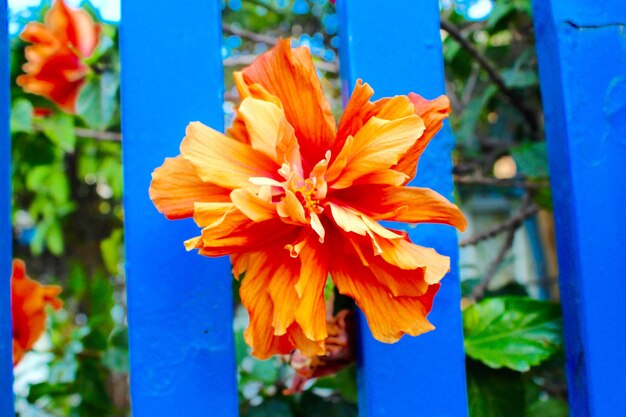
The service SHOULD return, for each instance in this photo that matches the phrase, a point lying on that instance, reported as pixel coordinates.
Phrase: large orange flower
(55, 67)
(28, 302)
(293, 199)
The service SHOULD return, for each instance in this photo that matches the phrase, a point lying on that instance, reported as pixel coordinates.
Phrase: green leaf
(241, 348)
(531, 159)
(59, 128)
(343, 381)
(312, 405)
(499, 12)
(265, 370)
(547, 408)
(58, 187)
(36, 177)
(42, 389)
(116, 360)
(97, 100)
(21, 116)
(514, 332)
(543, 197)
(272, 407)
(54, 239)
(111, 250)
(471, 115)
(519, 78)
(494, 393)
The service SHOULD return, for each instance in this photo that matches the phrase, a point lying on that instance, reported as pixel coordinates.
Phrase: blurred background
(68, 215)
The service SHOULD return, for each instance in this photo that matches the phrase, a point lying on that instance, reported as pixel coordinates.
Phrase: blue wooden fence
(6, 342)
(396, 50)
(582, 66)
(180, 311)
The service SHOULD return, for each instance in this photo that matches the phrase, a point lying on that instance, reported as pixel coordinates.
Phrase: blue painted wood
(582, 66)
(180, 304)
(6, 339)
(397, 49)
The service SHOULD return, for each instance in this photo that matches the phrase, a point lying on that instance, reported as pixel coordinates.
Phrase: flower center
(308, 195)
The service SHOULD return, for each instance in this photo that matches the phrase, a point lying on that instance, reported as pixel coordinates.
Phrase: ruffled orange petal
(289, 74)
(76, 26)
(352, 221)
(175, 188)
(360, 109)
(28, 304)
(389, 317)
(406, 255)
(378, 145)
(268, 293)
(58, 77)
(402, 204)
(269, 132)
(220, 160)
(254, 297)
(238, 130)
(253, 206)
(212, 213)
(433, 112)
(40, 35)
(310, 313)
(232, 235)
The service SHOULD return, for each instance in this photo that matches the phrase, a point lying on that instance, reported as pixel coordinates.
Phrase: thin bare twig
(98, 134)
(497, 182)
(479, 290)
(511, 223)
(242, 60)
(492, 72)
(251, 36)
(91, 134)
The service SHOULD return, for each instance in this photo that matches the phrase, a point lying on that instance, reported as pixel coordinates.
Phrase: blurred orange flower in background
(28, 303)
(55, 67)
(292, 198)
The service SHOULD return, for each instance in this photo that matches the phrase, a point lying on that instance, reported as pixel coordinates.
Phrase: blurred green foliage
(68, 218)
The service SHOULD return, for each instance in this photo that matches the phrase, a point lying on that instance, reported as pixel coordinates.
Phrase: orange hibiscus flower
(292, 198)
(55, 67)
(28, 302)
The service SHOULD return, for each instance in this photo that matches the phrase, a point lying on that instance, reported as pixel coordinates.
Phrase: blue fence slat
(581, 48)
(6, 339)
(180, 304)
(397, 49)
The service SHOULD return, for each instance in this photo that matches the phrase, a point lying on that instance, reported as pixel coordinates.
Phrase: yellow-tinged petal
(268, 293)
(255, 298)
(233, 236)
(433, 112)
(262, 120)
(377, 146)
(281, 289)
(383, 177)
(175, 188)
(209, 213)
(360, 109)
(310, 348)
(254, 207)
(290, 208)
(389, 317)
(223, 161)
(311, 310)
(407, 255)
(402, 204)
(290, 75)
(350, 220)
